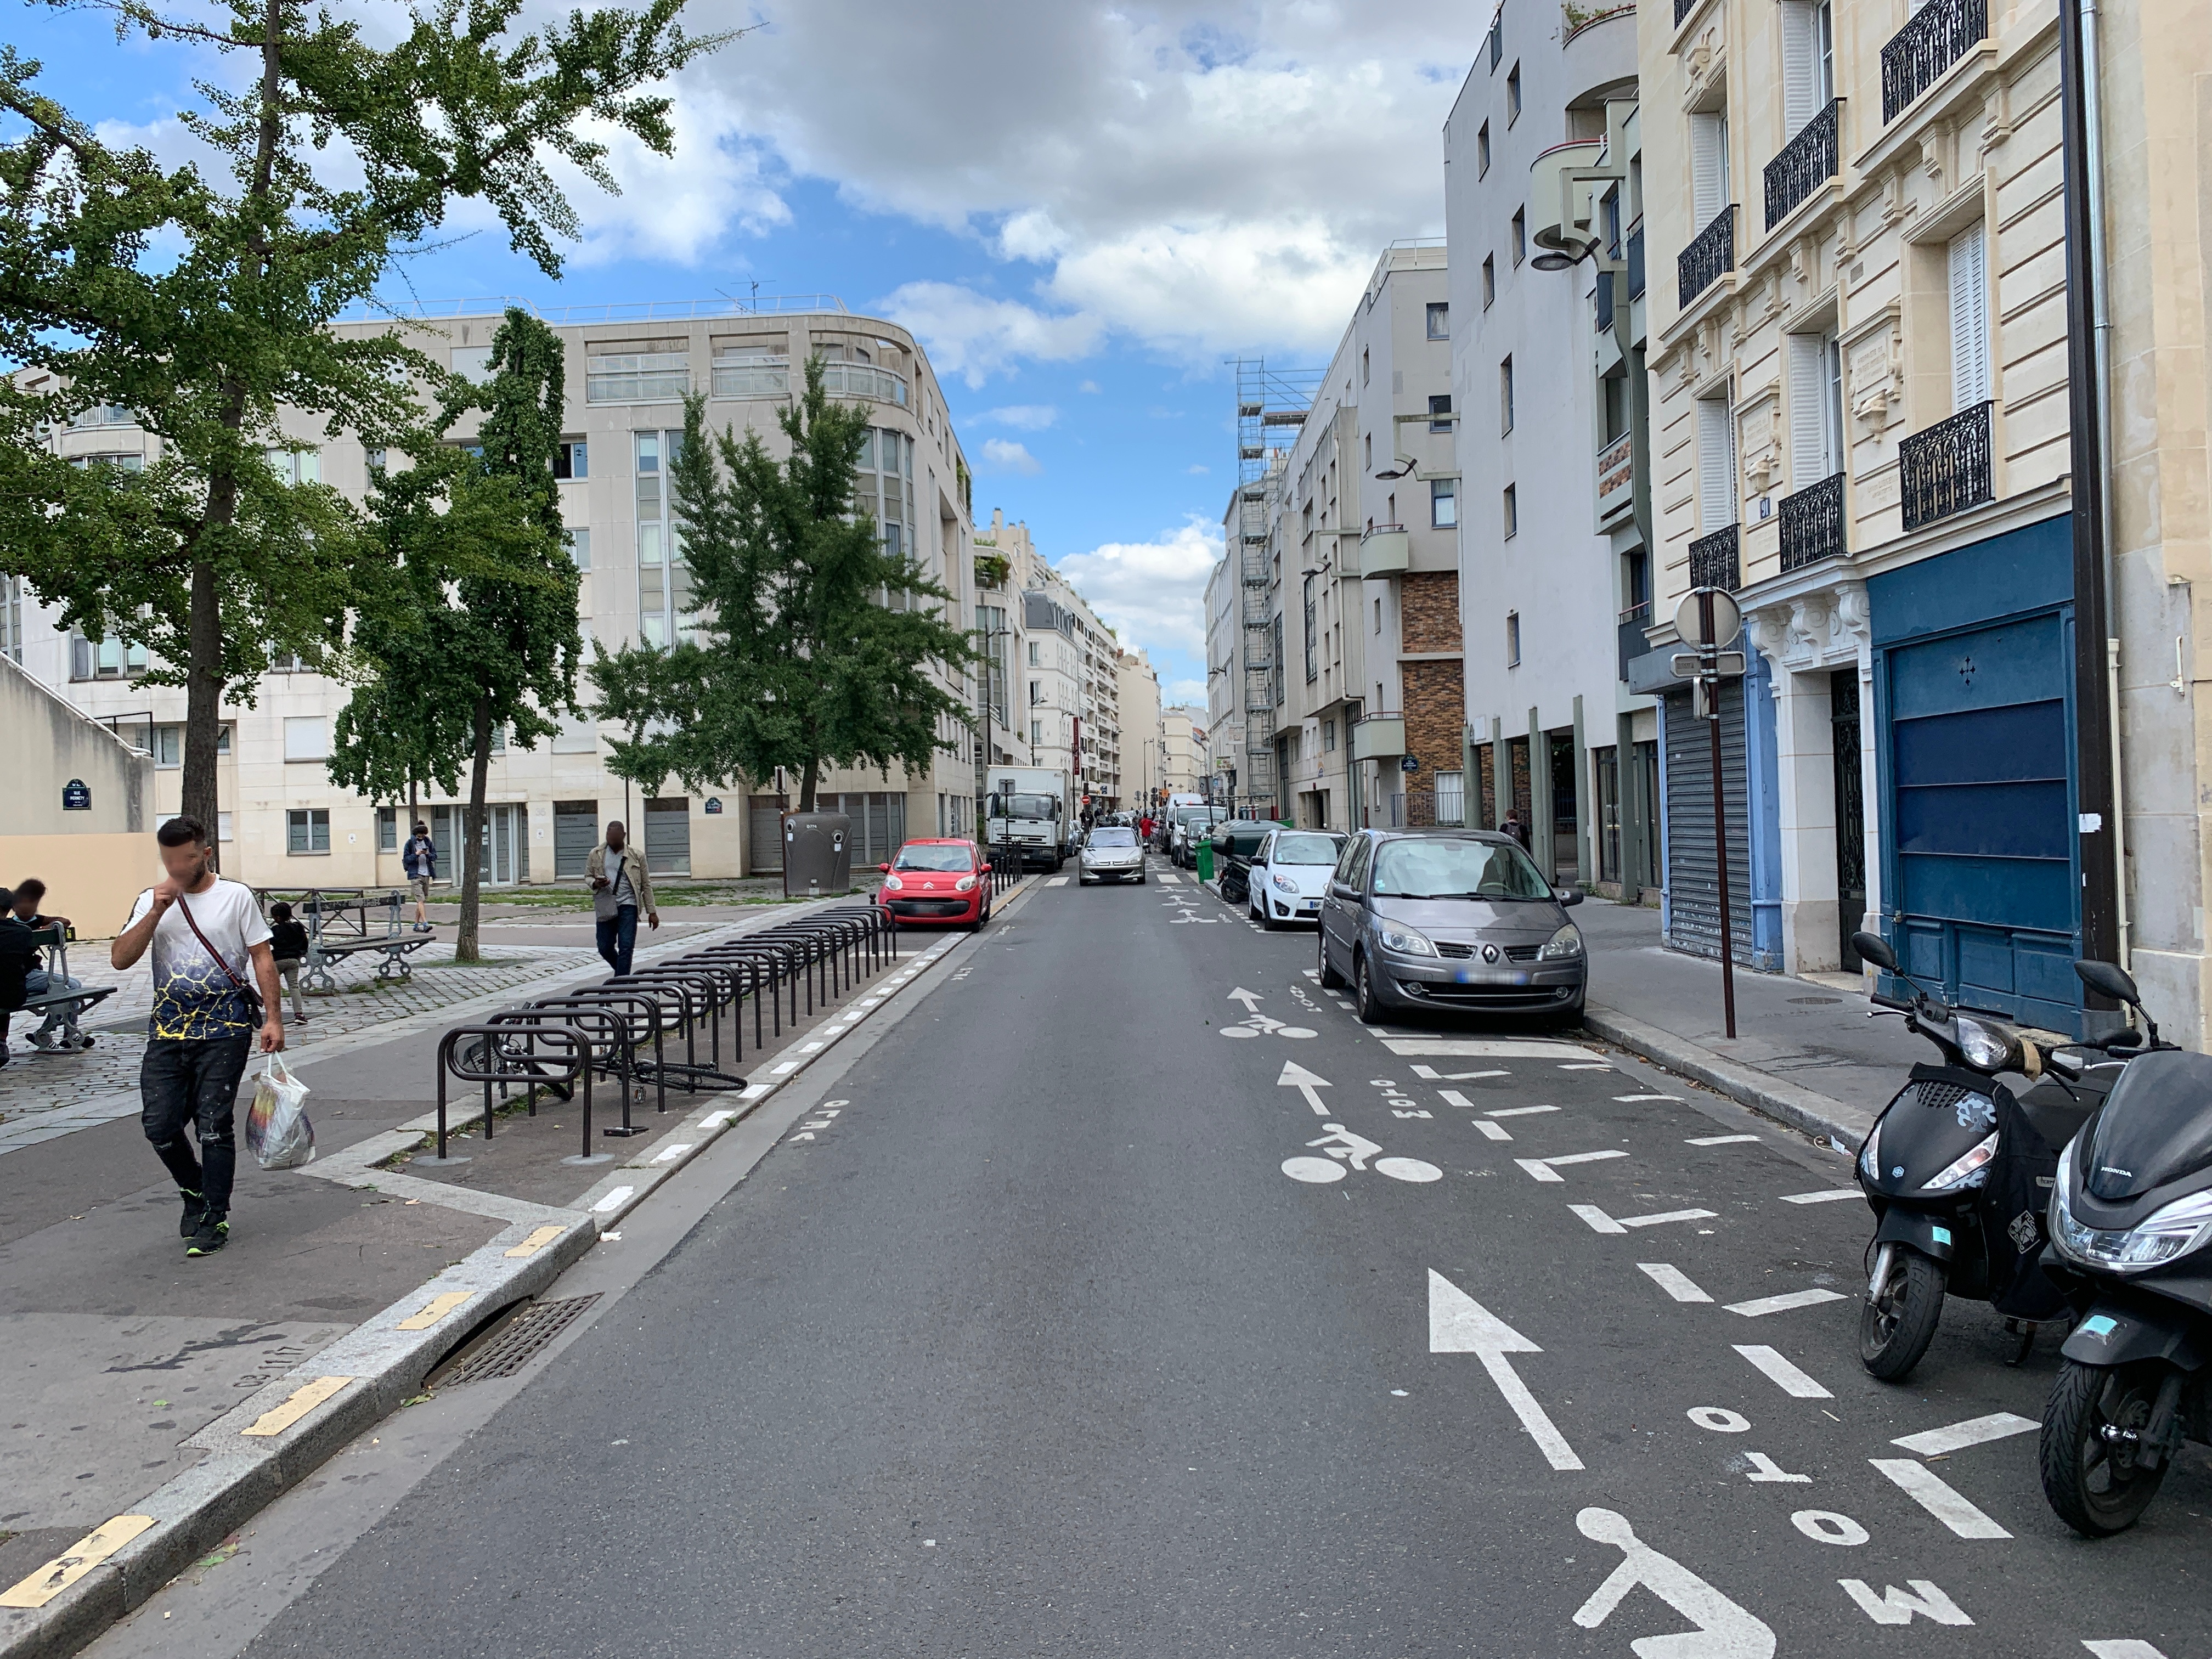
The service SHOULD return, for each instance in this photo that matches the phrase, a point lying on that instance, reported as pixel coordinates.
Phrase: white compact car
(1110, 852)
(1290, 876)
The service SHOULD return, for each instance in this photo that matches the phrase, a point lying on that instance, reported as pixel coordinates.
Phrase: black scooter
(1958, 1170)
(2129, 1222)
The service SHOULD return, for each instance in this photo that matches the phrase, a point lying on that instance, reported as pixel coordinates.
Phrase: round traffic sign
(1689, 619)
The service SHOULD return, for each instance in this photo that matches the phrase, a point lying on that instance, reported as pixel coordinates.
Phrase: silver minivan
(1449, 919)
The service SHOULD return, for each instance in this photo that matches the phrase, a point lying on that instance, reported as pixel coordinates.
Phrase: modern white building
(284, 823)
(1143, 731)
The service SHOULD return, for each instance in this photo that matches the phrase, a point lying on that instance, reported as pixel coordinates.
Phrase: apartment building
(1224, 646)
(1185, 768)
(629, 366)
(1860, 381)
(1143, 732)
(1064, 672)
(1542, 212)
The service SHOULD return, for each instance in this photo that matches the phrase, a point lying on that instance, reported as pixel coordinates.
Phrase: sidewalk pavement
(186, 1391)
(1806, 1051)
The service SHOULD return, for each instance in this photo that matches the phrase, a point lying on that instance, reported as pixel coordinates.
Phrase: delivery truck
(1032, 807)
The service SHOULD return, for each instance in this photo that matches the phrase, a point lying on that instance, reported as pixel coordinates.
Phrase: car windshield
(1306, 849)
(1453, 868)
(1113, 838)
(1027, 806)
(934, 857)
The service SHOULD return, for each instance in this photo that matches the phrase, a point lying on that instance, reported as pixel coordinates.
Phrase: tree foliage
(815, 642)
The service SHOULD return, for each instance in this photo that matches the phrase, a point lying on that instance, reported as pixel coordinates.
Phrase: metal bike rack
(450, 1065)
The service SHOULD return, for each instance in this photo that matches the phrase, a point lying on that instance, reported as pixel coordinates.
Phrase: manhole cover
(1801, 1000)
(519, 1340)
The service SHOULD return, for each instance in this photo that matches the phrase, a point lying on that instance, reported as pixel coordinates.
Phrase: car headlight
(1968, 1172)
(1870, 1154)
(1406, 943)
(1987, 1048)
(965, 885)
(1283, 883)
(893, 884)
(2182, 1226)
(1566, 943)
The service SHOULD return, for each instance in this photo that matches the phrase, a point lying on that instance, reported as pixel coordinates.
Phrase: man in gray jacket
(620, 889)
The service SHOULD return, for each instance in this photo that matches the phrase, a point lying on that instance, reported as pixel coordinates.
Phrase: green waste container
(1205, 860)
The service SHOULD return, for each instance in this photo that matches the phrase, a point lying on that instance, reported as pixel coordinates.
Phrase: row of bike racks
(625, 1027)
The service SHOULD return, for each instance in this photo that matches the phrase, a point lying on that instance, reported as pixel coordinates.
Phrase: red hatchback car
(944, 883)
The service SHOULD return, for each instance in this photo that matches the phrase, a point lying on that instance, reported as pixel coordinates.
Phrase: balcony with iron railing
(1804, 164)
(1385, 550)
(1710, 253)
(1813, 524)
(1947, 468)
(1713, 560)
(1938, 35)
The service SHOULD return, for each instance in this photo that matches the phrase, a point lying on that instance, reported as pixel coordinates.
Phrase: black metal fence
(1710, 253)
(1804, 164)
(1946, 468)
(1939, 35)
(1713, 560)
(1813, 524)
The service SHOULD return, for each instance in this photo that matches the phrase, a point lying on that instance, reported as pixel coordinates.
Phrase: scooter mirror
(2110, 980)
(1873, 948)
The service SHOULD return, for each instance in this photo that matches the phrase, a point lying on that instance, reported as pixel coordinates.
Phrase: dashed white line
(1784, 1375)
(1720, 1140)
(1920, 1483)
(1635, 1097)
(716, 1120)
(1599, 1222)
(1542, 1169)
(787, 1066)
(1827, 1197)
(1673, 1280)
(1492, 1131)
(1974, 1432)
(1056, 881)
(613, 1201)
(1518, 1111)
(2124, 1650)
(669, 1154)
(1585, 1065)
(1760, 1306)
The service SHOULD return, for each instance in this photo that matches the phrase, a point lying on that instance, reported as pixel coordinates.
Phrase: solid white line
(1586, 1065)
(1539, 1170)
(1783, 1303)
(1720, 1140)
(1492, 1131)
(1411, 1047)
(1597, 1220)
(1631, 1098)
(1828, 1197)
(1556, 1452)
(1920, 1483)
(1673, 1280)
(1666, 1216)
(1435, 1076)
(1974, 1432)
(1518, 1111)
(1784, 1375)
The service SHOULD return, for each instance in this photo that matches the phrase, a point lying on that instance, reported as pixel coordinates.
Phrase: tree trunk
(806, 782)
(203, 689)
(472, 835)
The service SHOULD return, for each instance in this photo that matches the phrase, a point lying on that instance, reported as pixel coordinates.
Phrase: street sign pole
(1710, 683)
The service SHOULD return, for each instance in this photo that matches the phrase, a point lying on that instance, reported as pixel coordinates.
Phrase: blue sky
(1080, 208)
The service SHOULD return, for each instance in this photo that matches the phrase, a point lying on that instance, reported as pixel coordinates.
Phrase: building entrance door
(1850, 813)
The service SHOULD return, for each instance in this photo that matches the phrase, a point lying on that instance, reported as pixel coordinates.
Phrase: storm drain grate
(520, 1342)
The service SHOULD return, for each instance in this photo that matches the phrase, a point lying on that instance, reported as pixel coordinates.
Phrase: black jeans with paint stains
(194, 1084)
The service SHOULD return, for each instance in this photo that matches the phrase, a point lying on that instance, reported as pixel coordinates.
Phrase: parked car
(1289, 875)
(1234, 844)
(1449, 919)
(1109, 853)
(1187, 826)
(937, 882)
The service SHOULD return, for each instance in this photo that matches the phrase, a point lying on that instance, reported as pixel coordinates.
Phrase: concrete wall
(44, 743)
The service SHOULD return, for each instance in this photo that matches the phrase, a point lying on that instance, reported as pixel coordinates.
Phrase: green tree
(816, 643)
(474, 632)
(202, 308)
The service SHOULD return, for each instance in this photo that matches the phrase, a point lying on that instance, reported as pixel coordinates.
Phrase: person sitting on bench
(39, 980)
(17, 953)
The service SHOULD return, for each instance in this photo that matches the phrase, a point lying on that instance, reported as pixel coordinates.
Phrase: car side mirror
(1873, 948)
(884, 868)
(1567, 896)
(2110, 981)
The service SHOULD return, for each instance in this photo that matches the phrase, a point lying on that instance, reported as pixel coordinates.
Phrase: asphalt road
(1087, 1328)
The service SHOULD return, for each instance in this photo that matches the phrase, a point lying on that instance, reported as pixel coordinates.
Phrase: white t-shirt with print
(194, 1000)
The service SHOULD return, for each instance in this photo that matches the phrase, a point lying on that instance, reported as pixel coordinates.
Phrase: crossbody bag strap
(208, 945)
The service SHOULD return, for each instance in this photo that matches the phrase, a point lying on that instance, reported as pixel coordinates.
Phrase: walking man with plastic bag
(214, 984)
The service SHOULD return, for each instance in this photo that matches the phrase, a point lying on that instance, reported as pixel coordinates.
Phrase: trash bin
(818, 855)
(1205, 860)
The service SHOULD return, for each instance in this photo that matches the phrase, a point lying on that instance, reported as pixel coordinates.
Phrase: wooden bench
(72, 1003)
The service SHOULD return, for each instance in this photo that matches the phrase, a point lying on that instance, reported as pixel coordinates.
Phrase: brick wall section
(1429, 602)
(1434, 706)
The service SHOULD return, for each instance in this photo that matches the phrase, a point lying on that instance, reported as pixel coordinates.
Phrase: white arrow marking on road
(1599, 1222)
(1541, 1169)
(1250, 1000)
(1673, 1280)
(1435, 1076)
(1784, 1375)
(1460, 1324)
(1724, 1630)
(1920, 1483)
(1765, 1471)
(1297, 1077)
(1974, 1432)
(1783, 1303)
(1828, 1197)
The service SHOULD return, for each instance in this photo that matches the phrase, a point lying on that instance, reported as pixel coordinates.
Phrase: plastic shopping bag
(278, 1132)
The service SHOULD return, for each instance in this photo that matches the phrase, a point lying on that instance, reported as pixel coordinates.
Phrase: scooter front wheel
(2091, 1473)
(1896, 1329)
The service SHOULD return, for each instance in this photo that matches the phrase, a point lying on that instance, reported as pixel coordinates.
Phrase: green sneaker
(195, 1207)
(212, 1236)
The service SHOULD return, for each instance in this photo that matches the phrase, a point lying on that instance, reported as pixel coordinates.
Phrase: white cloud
(1198, 468)
(1001, 455)
(1154, 592)
(1192, 692)
(1023, 417)
(975, 336)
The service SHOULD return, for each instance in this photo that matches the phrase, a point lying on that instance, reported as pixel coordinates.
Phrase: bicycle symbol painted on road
(1253, 1025)
(1346, 1149)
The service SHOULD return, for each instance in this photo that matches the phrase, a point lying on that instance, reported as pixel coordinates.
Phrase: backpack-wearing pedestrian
(215, 986)
(287, 947)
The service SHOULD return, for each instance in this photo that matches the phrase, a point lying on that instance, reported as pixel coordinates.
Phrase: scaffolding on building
(1272, 404)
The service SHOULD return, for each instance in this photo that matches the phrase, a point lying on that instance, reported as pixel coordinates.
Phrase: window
(307, 737)
(571, 459)
(130, 461)
(579, 548)
(637, 377)
(1364, 365)
(1328, 737)
(1451, 798)
(664, 580)
(1367, 450)
(1970, 319)
(374, 455)
(1816, 426)
(289, 662)
(1378, 629)
(1443, 502)
(1512, 511)
(1482, 149)
(1489, 279)
(1493, 43)
(1716, 497)
(222, 740)
(104, 659)
(1513, 94)
(387, 828)
(1440, 411)
(1036, 732)
(296, 466)
(1505, 396)
(306, 830)
(1036, 693)
(1037, 660)
(1709, 166)
(1519, 235)
(103, 415)
(1808, 62)
(1439, 321)
(1312, 634)
(1513, 639)
(473, 363)
(223, 827)
(169, 746)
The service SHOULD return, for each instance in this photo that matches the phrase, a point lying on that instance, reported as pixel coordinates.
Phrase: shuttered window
(1970, 320)
(1808, 63)
(1709, 166)
(1815, 436)
(1717, 504)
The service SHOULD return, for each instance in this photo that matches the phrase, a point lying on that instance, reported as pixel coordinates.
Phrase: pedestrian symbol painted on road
(1339, 1143)
(1724, 1631)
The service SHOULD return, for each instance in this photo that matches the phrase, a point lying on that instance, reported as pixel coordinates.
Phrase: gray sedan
(1449, 919)
(1109, 853)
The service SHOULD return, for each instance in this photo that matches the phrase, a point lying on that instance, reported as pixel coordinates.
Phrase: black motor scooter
(2130, 1220)
(1958, 1170)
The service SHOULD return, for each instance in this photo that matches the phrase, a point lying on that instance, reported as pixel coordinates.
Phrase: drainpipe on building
(2096, 657)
